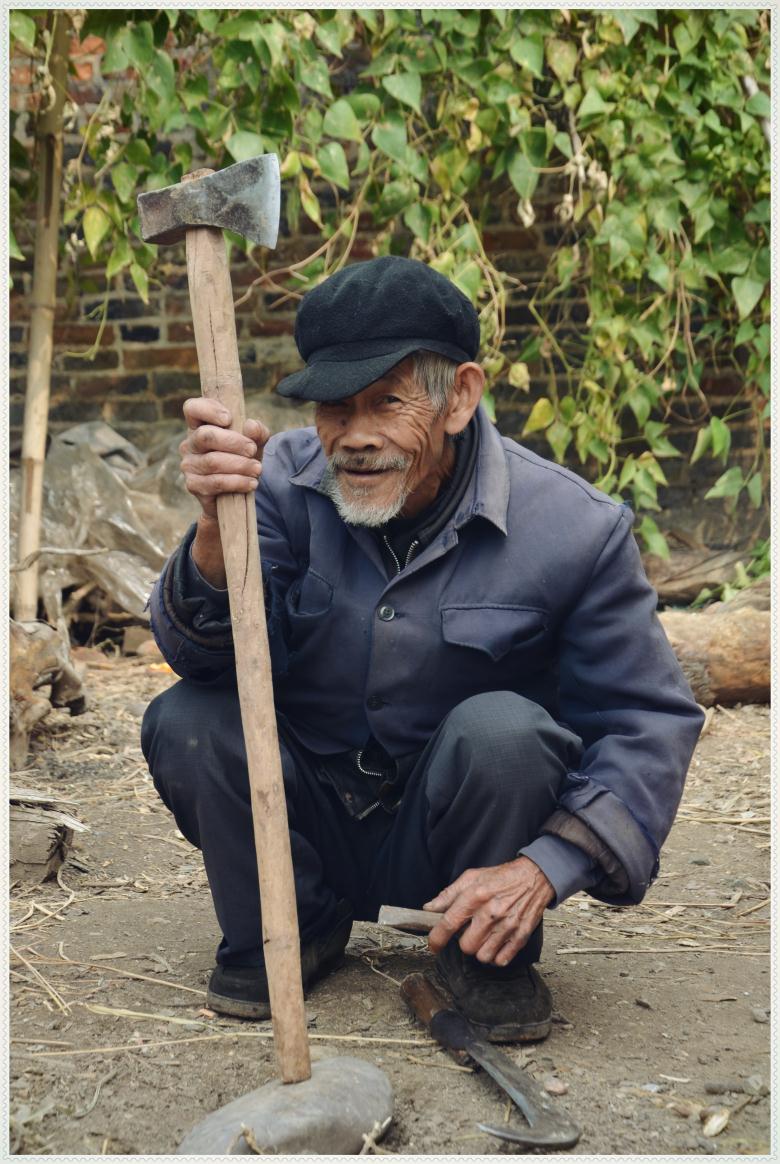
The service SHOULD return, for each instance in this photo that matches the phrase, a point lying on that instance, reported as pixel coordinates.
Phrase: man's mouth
(365, 474)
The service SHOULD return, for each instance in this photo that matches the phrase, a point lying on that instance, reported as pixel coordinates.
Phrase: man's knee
(502, 738)
(499, 720)
(192, 734)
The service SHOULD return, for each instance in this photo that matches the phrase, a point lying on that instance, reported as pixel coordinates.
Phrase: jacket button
(374, 702)
(386, 613)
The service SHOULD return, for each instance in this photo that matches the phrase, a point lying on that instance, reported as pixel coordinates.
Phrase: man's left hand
(500, 907)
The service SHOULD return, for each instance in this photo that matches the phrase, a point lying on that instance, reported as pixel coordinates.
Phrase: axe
(332, 1108)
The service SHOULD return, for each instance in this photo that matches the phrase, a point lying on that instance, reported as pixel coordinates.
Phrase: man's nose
(358, 434)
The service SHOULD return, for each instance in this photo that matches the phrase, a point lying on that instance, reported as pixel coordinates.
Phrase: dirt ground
(662, 1011)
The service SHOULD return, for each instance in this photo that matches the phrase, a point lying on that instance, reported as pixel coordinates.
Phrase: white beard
(360, 510)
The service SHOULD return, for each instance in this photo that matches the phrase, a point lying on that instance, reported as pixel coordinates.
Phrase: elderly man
(478, 711)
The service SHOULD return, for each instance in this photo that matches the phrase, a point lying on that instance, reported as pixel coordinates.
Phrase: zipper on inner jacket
(366, 772)
(394, 556)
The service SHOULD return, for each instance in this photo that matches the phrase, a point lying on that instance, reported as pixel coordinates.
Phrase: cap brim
(335, 376)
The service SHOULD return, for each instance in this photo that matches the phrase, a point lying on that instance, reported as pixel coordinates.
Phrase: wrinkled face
(387, 450)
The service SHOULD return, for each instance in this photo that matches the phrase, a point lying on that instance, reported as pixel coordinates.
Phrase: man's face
(387, 450)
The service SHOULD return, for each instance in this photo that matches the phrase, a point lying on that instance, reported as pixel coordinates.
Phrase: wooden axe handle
(213, 317)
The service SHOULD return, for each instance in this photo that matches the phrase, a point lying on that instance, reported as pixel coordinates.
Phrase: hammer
(333, 1107)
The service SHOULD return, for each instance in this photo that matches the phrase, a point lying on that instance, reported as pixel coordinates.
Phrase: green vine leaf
(593, 107)
(333, 163)
(141, 280)
(22, 29)
(729, 484)
(14, 250)
(406, 88)
(96, 226)
(653, 538)
(244, 145)
(389, 136)
(542, 415)
(120, 257)
(747, 291)
(528, 51)
(562, 58)
(522, 174)
(340, 121)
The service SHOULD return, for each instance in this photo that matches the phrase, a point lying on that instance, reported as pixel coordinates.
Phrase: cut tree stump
(724, 650)
(40, 657)
(41, 833)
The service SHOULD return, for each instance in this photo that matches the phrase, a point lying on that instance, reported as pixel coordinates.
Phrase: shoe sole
(509, 1033)
(260, 1011)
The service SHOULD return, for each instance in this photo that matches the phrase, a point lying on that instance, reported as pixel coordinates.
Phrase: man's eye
(390, 400)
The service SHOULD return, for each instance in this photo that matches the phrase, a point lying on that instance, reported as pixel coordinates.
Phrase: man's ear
(465, 396)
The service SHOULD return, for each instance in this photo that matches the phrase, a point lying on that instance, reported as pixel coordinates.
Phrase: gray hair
(436, 374)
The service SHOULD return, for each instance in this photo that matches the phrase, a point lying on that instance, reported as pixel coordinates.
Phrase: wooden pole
(48, 133)
(213, 318)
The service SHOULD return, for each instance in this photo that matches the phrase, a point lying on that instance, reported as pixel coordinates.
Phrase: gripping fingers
(217, 484)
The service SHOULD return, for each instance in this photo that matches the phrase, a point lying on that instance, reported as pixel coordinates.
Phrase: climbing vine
(654, 123)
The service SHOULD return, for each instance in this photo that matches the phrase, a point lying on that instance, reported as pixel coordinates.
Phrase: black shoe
(506, 1004)
(242, 991)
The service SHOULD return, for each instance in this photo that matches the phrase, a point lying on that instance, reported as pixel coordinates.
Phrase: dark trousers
(479, 791)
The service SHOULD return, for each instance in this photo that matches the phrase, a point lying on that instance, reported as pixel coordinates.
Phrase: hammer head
(243, 198)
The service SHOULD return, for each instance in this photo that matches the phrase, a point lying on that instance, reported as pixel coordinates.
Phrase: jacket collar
(487, 494)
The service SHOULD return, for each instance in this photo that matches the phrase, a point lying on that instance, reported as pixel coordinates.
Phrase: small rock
(643, 1003)
(149, 650)
(708, 1146)
(654, 1087)
(137, 707)
(759, 1014)
(716, 1121)
(700, 861)
(721, 1086)
(754, 1085)
(624, 973)
(134, 638)
(555, 1086)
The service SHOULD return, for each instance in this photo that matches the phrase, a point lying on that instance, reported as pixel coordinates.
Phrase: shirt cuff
(565, 866)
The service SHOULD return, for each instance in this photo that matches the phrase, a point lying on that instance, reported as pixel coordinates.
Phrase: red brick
(82, 333)
(271, 327)
(90, 46)
(90, 95)
(181, 332)
(21, 76)
(244, 275)
(154, 357)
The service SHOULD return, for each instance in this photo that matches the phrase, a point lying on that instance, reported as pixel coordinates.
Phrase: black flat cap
(358, 324)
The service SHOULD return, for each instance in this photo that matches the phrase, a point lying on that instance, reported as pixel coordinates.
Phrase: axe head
(243, 198)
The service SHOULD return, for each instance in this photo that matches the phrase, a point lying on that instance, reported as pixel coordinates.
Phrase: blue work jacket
(535, 585)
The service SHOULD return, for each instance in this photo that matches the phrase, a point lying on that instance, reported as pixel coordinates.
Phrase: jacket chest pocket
(309, 596)
(494, 630)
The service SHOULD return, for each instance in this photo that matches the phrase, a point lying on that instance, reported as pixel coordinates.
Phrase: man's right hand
(215, 460)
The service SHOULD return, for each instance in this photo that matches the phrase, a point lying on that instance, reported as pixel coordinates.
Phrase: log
(40, 834)
(681, 578)
(724, 649)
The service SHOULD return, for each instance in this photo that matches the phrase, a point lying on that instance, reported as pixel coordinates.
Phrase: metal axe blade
(244, 198)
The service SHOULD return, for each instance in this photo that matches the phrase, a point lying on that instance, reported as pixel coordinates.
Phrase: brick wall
(145, 365)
